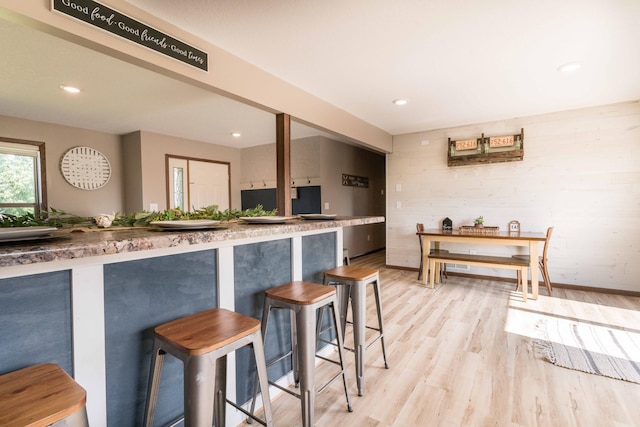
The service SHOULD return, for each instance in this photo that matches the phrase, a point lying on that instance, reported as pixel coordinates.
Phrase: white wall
(581, 174)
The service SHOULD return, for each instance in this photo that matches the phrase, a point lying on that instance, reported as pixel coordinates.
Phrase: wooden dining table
(529, 240)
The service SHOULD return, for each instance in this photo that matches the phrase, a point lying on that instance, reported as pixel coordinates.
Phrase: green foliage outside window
(17, 183)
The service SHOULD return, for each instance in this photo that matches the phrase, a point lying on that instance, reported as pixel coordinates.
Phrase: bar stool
(202, 341)
(42, 395)
(355, 279)
(303, 299)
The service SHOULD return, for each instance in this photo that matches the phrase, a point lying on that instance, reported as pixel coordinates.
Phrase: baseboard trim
(553, 284)
(367, 253)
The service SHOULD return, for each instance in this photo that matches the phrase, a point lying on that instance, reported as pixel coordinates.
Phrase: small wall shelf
(483, 150)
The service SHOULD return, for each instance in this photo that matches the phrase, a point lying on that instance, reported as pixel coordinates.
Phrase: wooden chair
(542, 263)
(443, 270)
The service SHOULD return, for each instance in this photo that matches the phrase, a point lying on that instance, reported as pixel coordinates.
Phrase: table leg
(426, 248)
(533, 265)
(438, 269)
(524, 282)
(432, 272)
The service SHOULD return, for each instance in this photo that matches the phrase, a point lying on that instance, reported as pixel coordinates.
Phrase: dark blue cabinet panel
(258, 267)
(35, 321)
(140, 295)
(318, 255)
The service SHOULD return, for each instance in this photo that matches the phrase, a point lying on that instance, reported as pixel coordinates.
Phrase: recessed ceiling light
(400, 101)
(569, 67)
(236, 134)
(70, 89)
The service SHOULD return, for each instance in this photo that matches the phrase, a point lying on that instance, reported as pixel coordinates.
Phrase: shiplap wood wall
(581, 174)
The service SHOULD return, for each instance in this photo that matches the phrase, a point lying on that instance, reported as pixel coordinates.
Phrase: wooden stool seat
(206, 331)
(202, 341)
(352, 272)
(302, 293)
(41, 395)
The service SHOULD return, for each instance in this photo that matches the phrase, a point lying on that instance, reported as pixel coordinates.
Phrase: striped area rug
(592, 348)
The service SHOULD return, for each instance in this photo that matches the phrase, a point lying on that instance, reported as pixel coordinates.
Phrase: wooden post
(283, 155)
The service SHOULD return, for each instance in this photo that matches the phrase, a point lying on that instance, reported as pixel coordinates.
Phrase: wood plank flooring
(464, 354)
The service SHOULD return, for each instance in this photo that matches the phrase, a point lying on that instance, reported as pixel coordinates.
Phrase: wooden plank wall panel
(581, 173)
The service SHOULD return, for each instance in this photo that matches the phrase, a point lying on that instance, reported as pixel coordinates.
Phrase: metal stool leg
(265, 323)
(157, 358)
(376, 292)
(295, 362)
(359, 324)
(340, 339)
(261, 368)
(305, 325)
(199, 383)
(220, 392)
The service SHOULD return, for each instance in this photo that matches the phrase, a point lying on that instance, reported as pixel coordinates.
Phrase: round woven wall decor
(85, 168)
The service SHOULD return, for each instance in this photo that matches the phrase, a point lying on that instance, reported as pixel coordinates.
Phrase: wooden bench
(510, 263)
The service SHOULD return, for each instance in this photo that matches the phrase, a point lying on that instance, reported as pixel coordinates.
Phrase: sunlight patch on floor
(525, 318)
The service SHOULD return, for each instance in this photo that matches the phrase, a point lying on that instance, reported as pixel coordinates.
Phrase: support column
(283, 155)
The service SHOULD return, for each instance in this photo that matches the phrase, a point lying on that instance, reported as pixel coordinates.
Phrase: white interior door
(208, 184)
(195, 184)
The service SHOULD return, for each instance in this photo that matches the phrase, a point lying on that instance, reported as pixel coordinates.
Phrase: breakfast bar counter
(89, 300)
(78, 243)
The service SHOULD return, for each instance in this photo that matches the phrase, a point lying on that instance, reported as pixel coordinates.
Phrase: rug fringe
(587, 348)
(541, 345)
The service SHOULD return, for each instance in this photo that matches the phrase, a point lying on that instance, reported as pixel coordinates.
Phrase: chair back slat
(420, 229)
(546, 244)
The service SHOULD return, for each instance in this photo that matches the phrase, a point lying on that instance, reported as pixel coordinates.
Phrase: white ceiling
(457, 62)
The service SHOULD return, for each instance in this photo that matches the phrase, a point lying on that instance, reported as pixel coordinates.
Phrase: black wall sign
(110, 20)
(355, 181)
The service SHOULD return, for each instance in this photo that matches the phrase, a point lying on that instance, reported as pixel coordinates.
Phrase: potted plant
(478, 222)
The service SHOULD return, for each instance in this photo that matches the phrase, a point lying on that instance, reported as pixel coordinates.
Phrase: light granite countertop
(79, 243)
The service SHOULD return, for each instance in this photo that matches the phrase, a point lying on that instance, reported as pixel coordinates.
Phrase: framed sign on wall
(355, 181)
(485, 150)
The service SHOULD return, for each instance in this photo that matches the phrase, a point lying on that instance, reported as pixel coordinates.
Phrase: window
(178, 188)
(22, 174)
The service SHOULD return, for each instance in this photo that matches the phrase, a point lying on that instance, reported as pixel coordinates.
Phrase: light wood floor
(464, 354)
